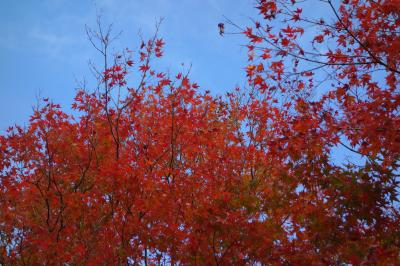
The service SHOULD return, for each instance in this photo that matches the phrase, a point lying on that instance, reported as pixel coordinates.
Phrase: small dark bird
(221, 28)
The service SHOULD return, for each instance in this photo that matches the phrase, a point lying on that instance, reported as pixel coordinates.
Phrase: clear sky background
(44, 49)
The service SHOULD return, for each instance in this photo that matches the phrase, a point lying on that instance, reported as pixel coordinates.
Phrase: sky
(44, 49)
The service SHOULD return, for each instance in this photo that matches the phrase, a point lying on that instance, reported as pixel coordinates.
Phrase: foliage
(161, 173)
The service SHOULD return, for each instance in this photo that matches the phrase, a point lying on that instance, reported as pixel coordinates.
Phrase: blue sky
(44, 50)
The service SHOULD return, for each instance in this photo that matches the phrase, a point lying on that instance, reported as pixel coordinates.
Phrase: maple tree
(161, 173)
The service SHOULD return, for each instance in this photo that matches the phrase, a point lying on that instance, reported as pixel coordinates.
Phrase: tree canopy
(157, 172)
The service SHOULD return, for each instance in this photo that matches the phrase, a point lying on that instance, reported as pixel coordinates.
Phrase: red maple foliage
(161, 173)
